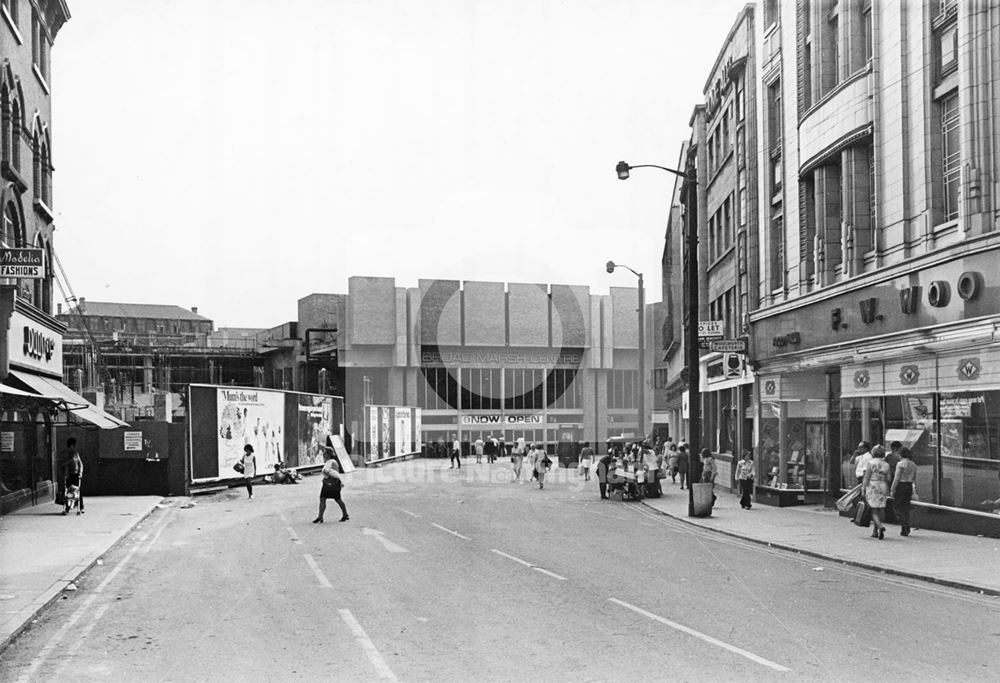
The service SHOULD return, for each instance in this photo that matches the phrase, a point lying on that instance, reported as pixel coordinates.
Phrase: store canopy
(56, 391)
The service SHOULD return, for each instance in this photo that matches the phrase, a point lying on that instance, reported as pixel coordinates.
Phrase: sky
(238, 155)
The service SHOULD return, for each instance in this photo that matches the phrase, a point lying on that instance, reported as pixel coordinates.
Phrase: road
(457, 575)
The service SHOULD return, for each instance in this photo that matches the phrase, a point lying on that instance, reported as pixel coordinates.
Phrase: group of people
(885, 477)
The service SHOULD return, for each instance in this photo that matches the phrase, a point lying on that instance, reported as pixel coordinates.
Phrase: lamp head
(622, 169)
(611, 266)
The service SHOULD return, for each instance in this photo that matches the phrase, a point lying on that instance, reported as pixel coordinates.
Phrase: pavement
(43, 553)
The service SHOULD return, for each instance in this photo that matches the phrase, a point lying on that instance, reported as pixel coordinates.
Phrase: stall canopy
(56, 391)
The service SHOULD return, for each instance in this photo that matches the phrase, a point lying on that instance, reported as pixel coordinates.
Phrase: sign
(22, 263)
(710, 329)
(501, 420)
(34, 345)
(499, 358)
(728, 345)
(133, 441)
(7, 442)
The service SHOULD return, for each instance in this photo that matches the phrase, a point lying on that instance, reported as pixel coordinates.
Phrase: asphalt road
(448, 575)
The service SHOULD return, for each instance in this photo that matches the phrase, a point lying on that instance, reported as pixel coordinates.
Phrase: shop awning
(78, 405)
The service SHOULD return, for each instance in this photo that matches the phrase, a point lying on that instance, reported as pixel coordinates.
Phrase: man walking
(456, 454)
(603, 465)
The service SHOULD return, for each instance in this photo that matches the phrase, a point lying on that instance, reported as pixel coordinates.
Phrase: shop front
(33, 400)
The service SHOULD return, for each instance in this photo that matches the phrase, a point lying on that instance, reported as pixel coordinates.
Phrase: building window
(16, 126)
(947, 43)
(950, 154)
(738, 99)
(621, 387)
(39, 47)
(830, 50)
(11, 236)
(562, 392)
(771, 8)
(868, 29)
(9, 8)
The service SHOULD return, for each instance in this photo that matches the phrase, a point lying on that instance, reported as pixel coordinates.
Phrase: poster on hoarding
(402, 431)
(251, 416)
(315, 425)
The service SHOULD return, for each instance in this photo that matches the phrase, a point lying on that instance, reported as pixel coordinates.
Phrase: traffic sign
(710, 328)
(728, 345)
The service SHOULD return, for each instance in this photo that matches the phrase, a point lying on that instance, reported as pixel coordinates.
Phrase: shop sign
(968, 369)
(7, 442)
(909, 374)
(22, 263)
(499, 420)
(438, 358)
(710, 329)
(31, 344)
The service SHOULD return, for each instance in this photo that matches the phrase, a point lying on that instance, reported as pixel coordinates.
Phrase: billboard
(392, 431)
(282, 426)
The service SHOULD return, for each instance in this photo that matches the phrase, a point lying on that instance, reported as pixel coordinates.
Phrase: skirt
(331, 489)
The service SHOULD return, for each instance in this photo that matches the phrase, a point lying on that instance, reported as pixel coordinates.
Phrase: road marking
(511, 557)
(453, 533)
(320, 576)
(85, 604)
(411, 514)
(367, 645)
(701, 636)
(552, 574)
(386, 543)
(293, 536)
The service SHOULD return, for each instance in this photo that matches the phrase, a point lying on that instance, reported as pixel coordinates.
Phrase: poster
(250, 416)
(403, 431)
(315, 418)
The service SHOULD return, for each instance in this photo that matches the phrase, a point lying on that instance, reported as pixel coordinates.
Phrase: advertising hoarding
(392, 431)
(282, 426)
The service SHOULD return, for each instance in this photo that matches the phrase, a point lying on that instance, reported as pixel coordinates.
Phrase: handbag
(238, 466)
(60, 496)
(863, 514)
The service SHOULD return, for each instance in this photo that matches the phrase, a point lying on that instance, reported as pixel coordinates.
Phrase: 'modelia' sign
(22, 263)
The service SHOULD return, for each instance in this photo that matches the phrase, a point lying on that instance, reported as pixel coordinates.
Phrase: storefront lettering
(786, 339)
(240, 396)
(969, 285)
(868, 314)
(497, 358)
(909, 374)
(968, 369)
(501, 419)
(837, 319)
(939, 294)
(37, 345)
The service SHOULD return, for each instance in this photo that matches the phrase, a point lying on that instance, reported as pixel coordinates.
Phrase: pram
(72, 499)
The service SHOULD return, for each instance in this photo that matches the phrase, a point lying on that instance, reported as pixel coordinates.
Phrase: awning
(78, 405)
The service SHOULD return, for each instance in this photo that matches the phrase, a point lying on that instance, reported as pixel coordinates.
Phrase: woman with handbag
(332, 484)
(904, 489)
(541, 464)
(875, 485)
(248, 468)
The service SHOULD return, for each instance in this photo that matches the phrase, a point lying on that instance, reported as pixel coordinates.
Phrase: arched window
(11, 235)
(6, 128)
(46, 169)
(16, 125)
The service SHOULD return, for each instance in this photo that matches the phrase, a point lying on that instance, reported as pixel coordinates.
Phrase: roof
(104, 309)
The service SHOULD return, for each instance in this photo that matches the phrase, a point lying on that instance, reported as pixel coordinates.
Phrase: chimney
(80, 302)
(58, 309)
(194, 309)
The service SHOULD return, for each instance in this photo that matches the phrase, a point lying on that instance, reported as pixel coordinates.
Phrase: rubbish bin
(702, 499)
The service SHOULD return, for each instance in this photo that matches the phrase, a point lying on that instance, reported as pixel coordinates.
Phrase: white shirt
(861, 464)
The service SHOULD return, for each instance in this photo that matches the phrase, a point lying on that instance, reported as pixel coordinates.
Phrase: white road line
(320, 576)
(453, 533)
(292, 535)
(511, 557)
(697, 634)
(411, 514)
(85, 604)
(367, 645)
(552, 574)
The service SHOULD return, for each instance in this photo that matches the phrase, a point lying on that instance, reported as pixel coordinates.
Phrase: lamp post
(611, 265)
(691, 338)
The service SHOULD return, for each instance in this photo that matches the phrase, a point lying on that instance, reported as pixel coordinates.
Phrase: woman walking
(875, 486)
(541, 464)
(249, 468)
(672, 459)
(332, 484)
(745, 476)
(904, 489)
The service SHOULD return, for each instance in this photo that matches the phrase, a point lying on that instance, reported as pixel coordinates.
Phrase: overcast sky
(237, 155)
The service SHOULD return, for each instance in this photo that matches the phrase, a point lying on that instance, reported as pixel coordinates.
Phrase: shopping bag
(863, 514)
(847, 501)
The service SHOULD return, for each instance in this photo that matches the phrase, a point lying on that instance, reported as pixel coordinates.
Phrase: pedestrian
(672, 461)
(517, 458)
(745, 477)
(683, 463)
(249, 463)
(494, 449)
(73, 476)
(456, 454)
(862, 456)
(875, 487)
(541, 463)
(586, 460)
(603, 468)
(502, 447)
(904, 489)
(332, 485)
(479, 451)
(709, 469)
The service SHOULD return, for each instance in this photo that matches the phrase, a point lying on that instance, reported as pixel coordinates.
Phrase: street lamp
(691, 341)
(611, 265)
